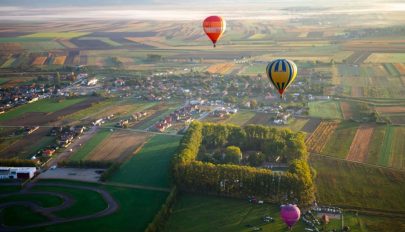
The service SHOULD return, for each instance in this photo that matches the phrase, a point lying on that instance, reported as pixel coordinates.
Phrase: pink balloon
(290, 214)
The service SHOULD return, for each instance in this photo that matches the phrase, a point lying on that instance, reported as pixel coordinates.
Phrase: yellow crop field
(221, 68)
(39, 60)
(60, 60)
(386, 58)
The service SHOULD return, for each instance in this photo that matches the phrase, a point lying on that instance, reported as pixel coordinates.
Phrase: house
(17, 172)
(48, 152)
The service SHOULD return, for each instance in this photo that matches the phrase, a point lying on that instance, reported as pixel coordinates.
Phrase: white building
(17, 172)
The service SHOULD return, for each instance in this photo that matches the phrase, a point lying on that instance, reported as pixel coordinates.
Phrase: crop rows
(317, 140)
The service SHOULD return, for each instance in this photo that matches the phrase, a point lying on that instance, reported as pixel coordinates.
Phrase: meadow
(325, 109)
(90, 145)
(339, 142)
(151, 166)
(241, 117)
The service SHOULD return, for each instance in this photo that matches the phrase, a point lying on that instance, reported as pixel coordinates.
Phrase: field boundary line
(357, 162)
(134, 186)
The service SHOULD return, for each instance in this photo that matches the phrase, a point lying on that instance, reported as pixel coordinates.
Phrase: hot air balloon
(281, 73)
(214, 27)
(290, 214)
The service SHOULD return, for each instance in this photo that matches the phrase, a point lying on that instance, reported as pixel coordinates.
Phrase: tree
(57, 80)
(256, 159)
(233, 155)
(253, 103)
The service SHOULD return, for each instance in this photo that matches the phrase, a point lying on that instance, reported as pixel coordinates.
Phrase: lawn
(151, 166)
(58, 35)
(350, 184)
(376, 144)
(42, 200)
(339, 143)
(241, 117)
(90, 145)
(18, 215)
(296, 124)
(45, 105)
(398, 148)
(386, 149)
(325, 109)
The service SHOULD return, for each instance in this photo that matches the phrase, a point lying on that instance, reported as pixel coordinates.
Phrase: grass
(376, 144)
(391, 69)
(151, 166)
(9, 189)
(296, 124)
(136, 211)
(45, 106)
(398, 148)
(339, 143)
(92, 201)
(351, 184)
(255, 69)
(386, 58)
(42, 200)
(241, 117)
(209, 213)
(103, 39)
(325, 109)
(90, 145)
(386, 148)
(8, 63)
(59, 35)
(20, 215)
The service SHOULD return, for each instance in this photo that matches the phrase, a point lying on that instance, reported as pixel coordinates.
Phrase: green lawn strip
(349, 184)
(391, 69)
(151, 166)
(398, 148)
(20, 215)
(87, 201)
(90, 145)
(376, 143)
(339, 143)
(241, 117)
(45, 105)
(386, 148)
(41, 199)
(137, 209)
(8, 189)
(325, 109)
(295, 124)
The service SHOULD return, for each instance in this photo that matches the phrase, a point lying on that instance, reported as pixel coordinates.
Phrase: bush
(17, 163)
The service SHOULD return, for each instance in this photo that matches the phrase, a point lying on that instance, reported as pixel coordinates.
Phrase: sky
(185, 9)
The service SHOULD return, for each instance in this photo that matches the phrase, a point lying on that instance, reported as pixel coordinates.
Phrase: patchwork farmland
(361, 142)
(318, 139)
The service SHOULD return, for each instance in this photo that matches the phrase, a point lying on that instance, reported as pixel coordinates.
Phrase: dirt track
(359, 148)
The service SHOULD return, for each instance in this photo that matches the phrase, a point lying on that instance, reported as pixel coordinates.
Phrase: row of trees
(17, 163)
(236, 180)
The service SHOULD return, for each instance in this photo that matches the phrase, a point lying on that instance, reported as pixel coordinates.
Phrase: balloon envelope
(281, 73)
(290, 214)
(214, 27)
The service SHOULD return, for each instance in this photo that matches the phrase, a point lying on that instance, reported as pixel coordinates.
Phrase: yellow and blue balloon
(281, 73)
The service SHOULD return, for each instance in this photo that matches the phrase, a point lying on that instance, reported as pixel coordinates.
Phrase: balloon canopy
(290, 214)
(214, 27)
(281, 73)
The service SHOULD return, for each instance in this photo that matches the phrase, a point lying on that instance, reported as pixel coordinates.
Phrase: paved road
(112, 205)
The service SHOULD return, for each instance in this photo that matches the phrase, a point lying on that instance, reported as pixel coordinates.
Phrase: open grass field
(393, 148)
(119, 146)
(339, 143)
(360, 145)
(241, 117)
(351, 185)
(18, 215)
(386, 58)
(45, 105)
(325, 109)
(320, 137)
(91, 145)
(296, 124)
(220, 68)
(42, 200)
(376, 143)
(57, 35)
(260, 118)
(151, 166)
(137, 208)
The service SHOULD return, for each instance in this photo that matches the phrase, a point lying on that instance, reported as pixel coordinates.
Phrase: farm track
(360, 144)
(318, 139)
(112, 206)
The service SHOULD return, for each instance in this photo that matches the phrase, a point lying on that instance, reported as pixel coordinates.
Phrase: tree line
(242, 181)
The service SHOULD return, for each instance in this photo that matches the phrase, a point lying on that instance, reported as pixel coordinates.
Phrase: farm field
(311, 125)
(220, 68)
(339, 143)
(393, 150)
(338, 183)
(61, 35)
(45, 105)
(151, 165)
(137, 207)
(385, 58)
(295, 124)
(119, 146)
(241, 118)
(376, 143)
(260, 118)
(360, 145)
(325, 109)
(90, 145)
(320, 137)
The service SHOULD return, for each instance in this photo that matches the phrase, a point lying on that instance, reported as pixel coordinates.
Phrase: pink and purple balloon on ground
(290, 214)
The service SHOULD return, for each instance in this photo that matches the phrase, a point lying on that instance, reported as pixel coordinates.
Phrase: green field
(42, 200)
(339, 143)
(45, 105)
(58, 35)
(351, 185)
(241, 117)
(386, 149)
(103, 39)
(151, 166)
(295, 124)
(376, 144)
(20, 215)
(90, 145)
(254, 69)
(398, 148)
(325, 109)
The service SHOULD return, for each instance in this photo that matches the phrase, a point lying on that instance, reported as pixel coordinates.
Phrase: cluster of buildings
(20, 95)
(17, 172)
(221, 112)
(183, 115)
